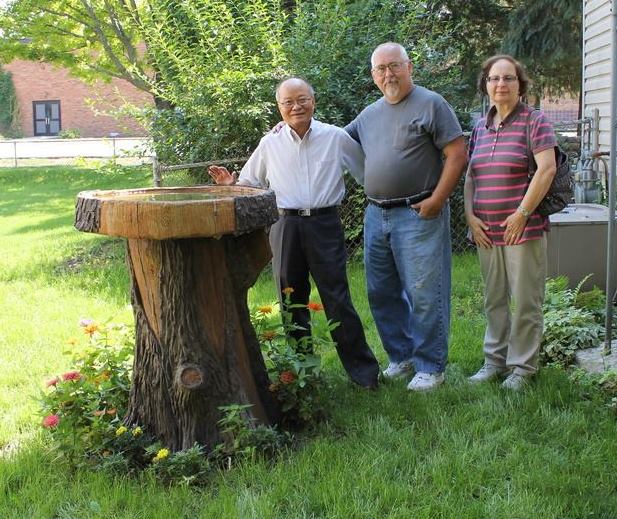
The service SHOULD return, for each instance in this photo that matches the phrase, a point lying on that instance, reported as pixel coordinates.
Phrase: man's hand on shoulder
(277, 127)
(222, 176)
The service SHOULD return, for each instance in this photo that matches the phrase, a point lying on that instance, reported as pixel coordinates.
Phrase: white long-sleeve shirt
(305, 173)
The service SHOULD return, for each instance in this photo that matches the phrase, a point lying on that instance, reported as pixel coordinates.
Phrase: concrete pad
(593, 360)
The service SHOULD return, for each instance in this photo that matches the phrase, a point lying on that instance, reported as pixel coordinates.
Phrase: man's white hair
(389, 44)
(293, 79)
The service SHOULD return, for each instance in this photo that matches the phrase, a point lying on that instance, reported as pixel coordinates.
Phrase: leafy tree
(94, 39)
(8, 105)
(217, 63)
(546, 36)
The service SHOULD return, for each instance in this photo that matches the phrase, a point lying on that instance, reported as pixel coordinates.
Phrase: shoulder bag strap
(531, 164)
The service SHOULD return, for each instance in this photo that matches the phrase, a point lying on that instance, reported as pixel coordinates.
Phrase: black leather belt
(400, 202)
(309, 212)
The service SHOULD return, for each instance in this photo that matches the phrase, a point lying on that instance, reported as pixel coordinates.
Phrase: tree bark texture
(196, 349)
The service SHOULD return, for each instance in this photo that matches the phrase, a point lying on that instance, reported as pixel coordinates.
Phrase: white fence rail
(16, 152)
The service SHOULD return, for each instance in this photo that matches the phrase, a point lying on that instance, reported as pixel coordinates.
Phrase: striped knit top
(499, 168)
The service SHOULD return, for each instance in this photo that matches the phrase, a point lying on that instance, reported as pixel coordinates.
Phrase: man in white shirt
(304, 164)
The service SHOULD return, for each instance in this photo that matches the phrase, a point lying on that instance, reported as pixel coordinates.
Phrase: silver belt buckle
(304, 212)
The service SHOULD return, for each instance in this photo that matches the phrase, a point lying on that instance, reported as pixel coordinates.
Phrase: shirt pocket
(406, 134)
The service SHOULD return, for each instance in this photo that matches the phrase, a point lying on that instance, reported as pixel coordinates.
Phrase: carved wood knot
(190, 376)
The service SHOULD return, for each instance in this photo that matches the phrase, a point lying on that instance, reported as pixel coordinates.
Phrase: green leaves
(570, 322)
(8, 106)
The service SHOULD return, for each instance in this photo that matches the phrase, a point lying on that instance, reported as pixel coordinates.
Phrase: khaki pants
(514, 278)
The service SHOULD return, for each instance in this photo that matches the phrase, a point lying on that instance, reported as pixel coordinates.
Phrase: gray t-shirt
(403, 143)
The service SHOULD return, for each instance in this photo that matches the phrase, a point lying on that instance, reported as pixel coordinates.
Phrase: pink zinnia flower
(85, 322)
(51, 421)
(71, 375)
(52, 382)
(287, 377)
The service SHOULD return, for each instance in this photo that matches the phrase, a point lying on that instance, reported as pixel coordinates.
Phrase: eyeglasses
(395, 67)
(506, 79)
(289, 103)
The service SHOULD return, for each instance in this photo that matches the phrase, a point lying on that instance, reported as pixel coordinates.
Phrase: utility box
(577, 244)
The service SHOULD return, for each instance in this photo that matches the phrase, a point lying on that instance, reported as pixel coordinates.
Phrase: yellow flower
(121, 430)
(288, 291)
(161, 455)
(137, 432)
(72, 341)
(267, 309)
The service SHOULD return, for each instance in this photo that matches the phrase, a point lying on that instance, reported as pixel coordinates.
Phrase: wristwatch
(523, 211)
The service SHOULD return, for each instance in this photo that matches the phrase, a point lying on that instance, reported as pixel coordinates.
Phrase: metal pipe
(595, 134)
(610, 254)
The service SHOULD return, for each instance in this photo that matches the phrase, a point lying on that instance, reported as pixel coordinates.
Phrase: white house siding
(597, 55)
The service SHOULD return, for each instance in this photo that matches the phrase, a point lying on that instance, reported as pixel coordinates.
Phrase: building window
(46, 117)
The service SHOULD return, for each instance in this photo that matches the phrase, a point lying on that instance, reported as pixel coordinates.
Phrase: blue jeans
(408, 261)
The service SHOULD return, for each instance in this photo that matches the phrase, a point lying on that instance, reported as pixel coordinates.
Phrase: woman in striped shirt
(500, 203)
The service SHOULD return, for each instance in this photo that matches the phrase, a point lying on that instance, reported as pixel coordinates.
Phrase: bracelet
(523, 211)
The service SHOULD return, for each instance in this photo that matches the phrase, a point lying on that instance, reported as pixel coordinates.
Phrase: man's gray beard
(392, 89)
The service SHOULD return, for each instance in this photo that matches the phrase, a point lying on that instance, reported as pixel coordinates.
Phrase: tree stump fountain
(192, 253)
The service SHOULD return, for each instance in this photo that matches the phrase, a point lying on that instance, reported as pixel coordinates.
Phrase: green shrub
(296, 378)
(9, 126)
(83, 409)
(81, 406)
(69, 133)
(568, 326)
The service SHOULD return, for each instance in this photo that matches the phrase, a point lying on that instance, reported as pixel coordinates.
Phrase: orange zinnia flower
(288, 291)
(90, 329)
(268, 335)
(316, 307)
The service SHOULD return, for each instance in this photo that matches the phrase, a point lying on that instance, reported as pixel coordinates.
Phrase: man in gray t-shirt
(407, 249)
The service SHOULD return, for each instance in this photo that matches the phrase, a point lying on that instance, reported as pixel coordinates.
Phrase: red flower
(51, 421)
(71, 375)
(314, 306)
(52, 382)
(287, 377)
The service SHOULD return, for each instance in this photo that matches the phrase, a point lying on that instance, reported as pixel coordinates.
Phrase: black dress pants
(315, 245)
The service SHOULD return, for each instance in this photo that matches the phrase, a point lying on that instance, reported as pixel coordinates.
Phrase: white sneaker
(515, 382)
(425, 381)
(398, 369)
(488, 372)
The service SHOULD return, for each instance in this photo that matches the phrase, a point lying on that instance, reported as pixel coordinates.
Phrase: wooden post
(156, 172)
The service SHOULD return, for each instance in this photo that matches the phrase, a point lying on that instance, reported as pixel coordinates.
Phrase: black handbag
(560, 194)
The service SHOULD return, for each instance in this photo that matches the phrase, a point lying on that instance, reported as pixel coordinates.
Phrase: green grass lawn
(461, 451)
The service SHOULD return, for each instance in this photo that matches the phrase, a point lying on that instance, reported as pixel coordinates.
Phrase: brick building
(51, 100)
